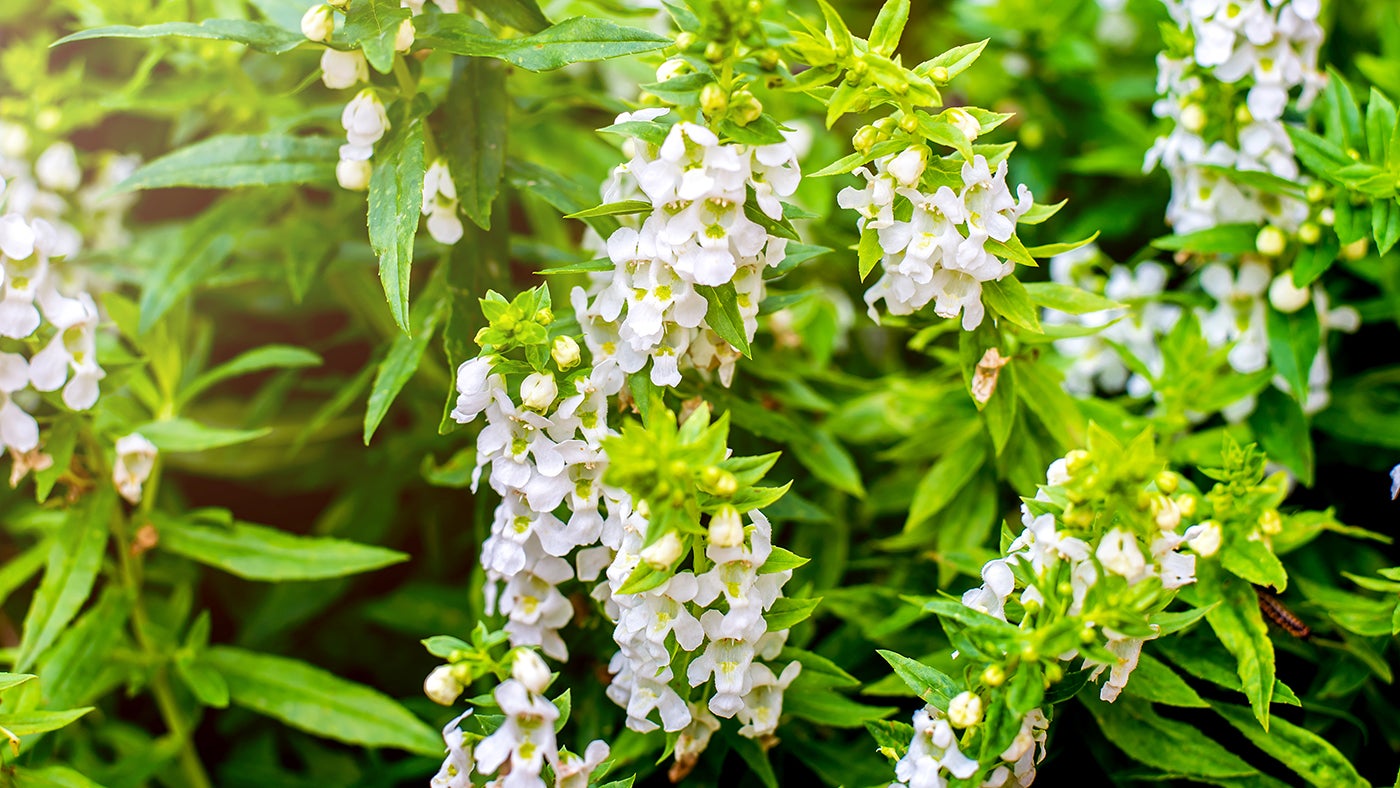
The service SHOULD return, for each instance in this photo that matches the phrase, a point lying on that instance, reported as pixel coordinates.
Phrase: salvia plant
(726, 392)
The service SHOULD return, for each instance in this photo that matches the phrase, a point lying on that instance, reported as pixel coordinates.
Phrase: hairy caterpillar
(1278, 613)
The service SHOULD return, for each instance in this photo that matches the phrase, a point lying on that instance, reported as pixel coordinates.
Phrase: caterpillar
(1277, 612)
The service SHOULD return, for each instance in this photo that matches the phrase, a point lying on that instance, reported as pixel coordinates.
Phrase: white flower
(440, 204)
(364, 119)
(933, 751)
(456, 771)
(18, 430)
(726, 527)
(664, 551)
(318, 23)
(73, 347)
(565, 352)
(530, 670)
(1206, 538)
(571, 771)
(1119, 553)
(16, 237)
(136, 458)
(538, 391)
(908, 167)
(343, 69)
(442, 687)
(403, 37)
(57, 168)
(764, 703)
(525, 738)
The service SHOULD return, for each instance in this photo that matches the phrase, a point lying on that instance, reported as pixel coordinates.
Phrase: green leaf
(782, 560)
(1223, 239)
(232, 160)
(182, 435)
(30, 723)
(1012, 250)
(207, 684)
(1240, 626)
(177, 274)
(588, 266)
(522, 15)
(1067, 298)
(1282, 431)
(889, 26)
(474, 137)
(869, 251)
(256, 360)
(73, 562)
(930, 684)
(17, 570)
(832, 709)
(787, 612)
(723, 315)
(1173, 747)
(956, 60)
(395, 202)
(1050, 250)
(944, 480)
(262, 37)
(1313, 261)
(319, 703)
(1252, 561)
(402, 360)
(571, 41)
(1038, 213)
(625, 207)
(257, 552)
(79, 666)
(1009, 299)
(372, 26)
(1309, 755)
(1293, 344)
(1152, 680)
(8, 680)
(1257, 179)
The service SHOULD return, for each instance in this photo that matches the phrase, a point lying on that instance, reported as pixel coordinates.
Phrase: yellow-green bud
(1356, 250)
(544, 316)
(714, 52)
(1167, 481)
(1076, 461)
(1270, 522)
(685, 41)
(713, 100)
(565, 352)
(865, 139)
(747, 108)
(719, 481)
(1316, 191)
(1053, 673)
(910, 122)
(768, 59)
(1309, 233)
(994, 676)
(939, 74)
(1271, 241)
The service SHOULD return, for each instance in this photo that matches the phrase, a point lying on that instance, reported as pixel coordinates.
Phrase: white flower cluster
(1045, 549)
(939, 254)
(1094, 360)
(697, 234)
(544, 451)
(934, 751)
(1272, 48)
(730, 634)
(33, 308)
(525, 741)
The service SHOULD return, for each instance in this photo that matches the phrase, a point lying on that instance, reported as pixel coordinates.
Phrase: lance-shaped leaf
(373, 25)
(257, 552)
(232, 160)
(262, 37)
(571, 41)
(474, 137)
(395, 202)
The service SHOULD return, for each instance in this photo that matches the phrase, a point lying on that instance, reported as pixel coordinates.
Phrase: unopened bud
(1309, 233)
(685, 41)
(726, 527)
(318, 23)
(1316, 191)
(719, 481)
(1186, 504)
(910, 122)
(714, 52)
(565, 352)
(747, 108)
(994, 676)
(537, 392)
(528, 669)
(343, 5)
(1328, 216)
(939, 74)
(1287, 297)
(403, 38)
(1271, 241)
(964, 121)
(964, 710)
(544, 316)
(1053, 673)
(713, 99)
(663, 552)
(1356, 250)
(353, 175)
(671, 69)
(1270, 522)
(1076, 461)
(1193, 118)
(1167, 481)
(865, 139)
(441, 686)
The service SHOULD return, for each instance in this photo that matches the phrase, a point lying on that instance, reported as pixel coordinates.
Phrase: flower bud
(1165, 513)
(671, 69)
(1193, 118)
(353, 175)
(538, 391)
(528, 669)
(1309, 233)
(403, 38)
(1271, 241)
(364, 119)
(939, 74)
(1077, 460)
(964, 710)
(713, 99)
(343, 5)
(565, 352)
(1186, 504)
(318, 23)
(343, 69)
(994, 676)
(910, 122)
(714, 52)
(726, 527)
(718, 481)
(1356, 250)
(1286, 296)
(663, 552)
(1270, 523)
(1316, 191)
(747, 108)
(865, 139)
(1328, 216)
(964, 121)
(686, 40)
(1206, 541)
(1167, 481)
(908, 167)
(441, 686)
